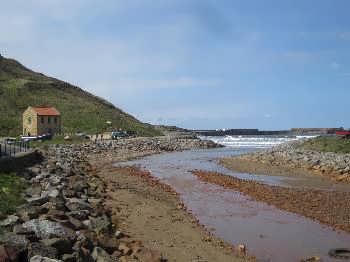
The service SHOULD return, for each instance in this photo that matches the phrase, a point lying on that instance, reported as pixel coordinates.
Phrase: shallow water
(269, 233)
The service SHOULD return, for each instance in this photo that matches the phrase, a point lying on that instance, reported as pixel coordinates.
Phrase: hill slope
(21, 87)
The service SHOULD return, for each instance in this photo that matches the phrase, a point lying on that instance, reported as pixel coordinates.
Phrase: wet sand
(152, 213)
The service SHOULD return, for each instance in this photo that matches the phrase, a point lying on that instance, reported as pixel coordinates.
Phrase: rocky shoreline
(290, 156)
(65, 218)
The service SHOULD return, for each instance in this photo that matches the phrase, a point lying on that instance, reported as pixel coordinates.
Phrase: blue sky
(196, 64)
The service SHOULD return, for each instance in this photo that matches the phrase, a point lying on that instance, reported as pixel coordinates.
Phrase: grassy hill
(21, 87)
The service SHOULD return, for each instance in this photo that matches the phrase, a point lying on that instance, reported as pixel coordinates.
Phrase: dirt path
(151, 212)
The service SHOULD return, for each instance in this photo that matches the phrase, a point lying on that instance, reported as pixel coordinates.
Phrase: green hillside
(21, 87)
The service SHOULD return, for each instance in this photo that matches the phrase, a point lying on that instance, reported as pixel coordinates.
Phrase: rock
(67, 138)
(38, 201)
(48, 229)
(43, 259)
(100, 255)
(75, 204)
(38, 249)
(34, 190)
(241, 250)
(124, 249)
(62, 245)
(20, 230)
(76, 224)
(80, 214)
(311, 259)
(50, 193)
(8, 254)
(11, 239)
(149, 256)
(57, 214)
(9, 221)
(100, 224)
(28, 212)
(118, 234)
(69, 258)
(109, 243)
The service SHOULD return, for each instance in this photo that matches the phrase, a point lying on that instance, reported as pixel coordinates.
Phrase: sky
(194, 63)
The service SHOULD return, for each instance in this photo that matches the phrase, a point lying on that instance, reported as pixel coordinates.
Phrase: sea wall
(20, 161)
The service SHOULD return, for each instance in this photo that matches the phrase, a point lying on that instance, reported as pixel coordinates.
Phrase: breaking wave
(253, 141)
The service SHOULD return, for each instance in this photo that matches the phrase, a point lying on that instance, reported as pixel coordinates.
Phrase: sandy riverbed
(151, 212)
(328, 207)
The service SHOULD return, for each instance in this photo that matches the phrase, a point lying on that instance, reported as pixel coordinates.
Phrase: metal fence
(13, 149)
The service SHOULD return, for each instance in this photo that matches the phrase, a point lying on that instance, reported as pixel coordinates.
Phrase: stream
(270, 234)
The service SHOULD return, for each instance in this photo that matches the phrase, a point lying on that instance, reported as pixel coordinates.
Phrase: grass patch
(11, 187)
(334, 144)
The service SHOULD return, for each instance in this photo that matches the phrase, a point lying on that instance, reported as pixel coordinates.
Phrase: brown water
(269, 233)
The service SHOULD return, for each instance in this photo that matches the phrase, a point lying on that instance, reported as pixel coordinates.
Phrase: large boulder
(48, 229)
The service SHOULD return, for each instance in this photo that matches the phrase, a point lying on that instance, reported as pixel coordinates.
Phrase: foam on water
(253, 141)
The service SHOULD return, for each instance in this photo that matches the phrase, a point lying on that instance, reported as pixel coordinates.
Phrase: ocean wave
(253, 141)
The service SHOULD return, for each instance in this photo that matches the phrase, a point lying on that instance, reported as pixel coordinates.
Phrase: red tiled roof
(46, 111)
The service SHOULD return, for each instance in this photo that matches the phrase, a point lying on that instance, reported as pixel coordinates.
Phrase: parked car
(82, 135)
(44, 137)
(118, 134)
(28, 138)
(10, 140)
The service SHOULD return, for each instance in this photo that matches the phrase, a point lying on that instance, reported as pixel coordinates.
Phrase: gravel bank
(290, 160)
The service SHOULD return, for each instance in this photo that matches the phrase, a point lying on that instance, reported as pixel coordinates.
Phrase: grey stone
(38, 201)
(43, 259)
(76, 204)
(38, 249)
(9, 221)
(48, 229)
(100, 255)
(100, 224)
(18, 241)
(61, 244)
(50, 193)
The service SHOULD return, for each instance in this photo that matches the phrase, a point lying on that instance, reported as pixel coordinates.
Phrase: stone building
(41, 120)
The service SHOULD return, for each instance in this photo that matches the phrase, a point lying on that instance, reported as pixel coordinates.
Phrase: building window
(29, 120)
(55, 119)
(42, 119)
(48, 120)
